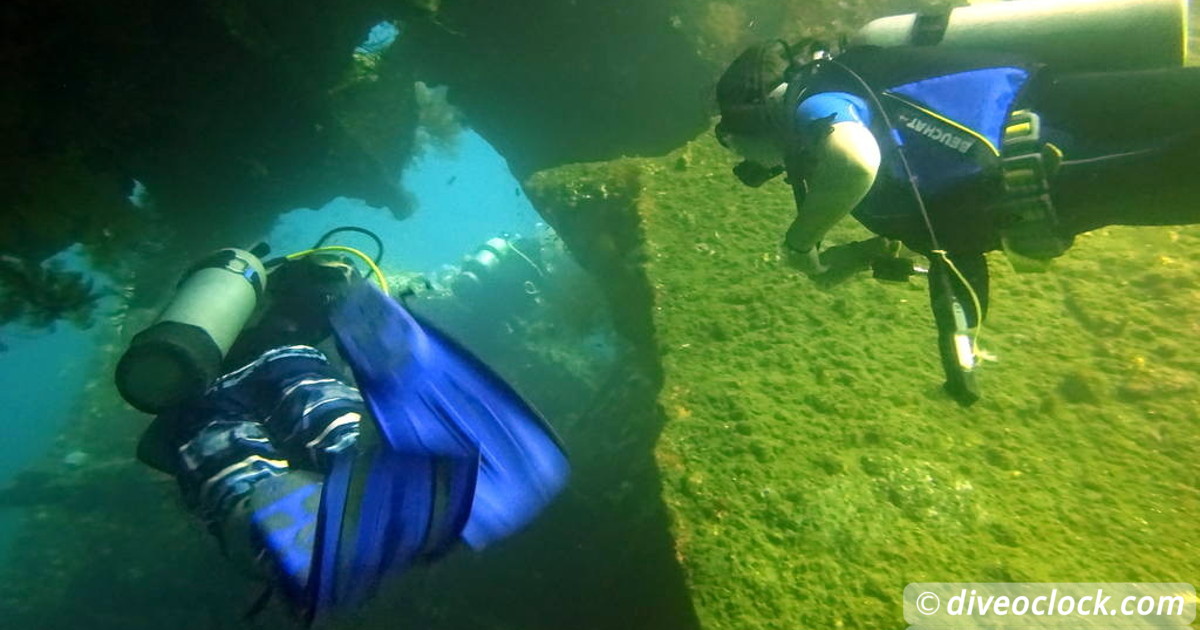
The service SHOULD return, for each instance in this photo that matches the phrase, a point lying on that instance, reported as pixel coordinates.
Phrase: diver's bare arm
(846, 163)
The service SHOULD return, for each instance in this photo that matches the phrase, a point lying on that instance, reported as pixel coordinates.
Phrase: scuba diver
(933, 133)
(324, 471)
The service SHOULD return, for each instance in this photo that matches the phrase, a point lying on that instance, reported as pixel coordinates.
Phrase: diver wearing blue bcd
(946, 113)
(958, 152)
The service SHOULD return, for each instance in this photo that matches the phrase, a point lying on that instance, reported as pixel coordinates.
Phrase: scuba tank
(185, 349)
(498, 262)
(181, 353)
(1069, 35)
(486, 259)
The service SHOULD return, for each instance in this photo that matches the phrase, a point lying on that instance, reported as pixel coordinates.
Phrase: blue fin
(283, 514)
(381, 512)
(453, 453)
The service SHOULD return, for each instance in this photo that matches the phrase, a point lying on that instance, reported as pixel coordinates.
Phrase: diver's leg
(958, 308)
(272, 529)
(1131, 144)
(1112, 112)
(1159, 186)
(261, 510)
(240, 481)
(313, 413)
(222, 462)
(305, 403)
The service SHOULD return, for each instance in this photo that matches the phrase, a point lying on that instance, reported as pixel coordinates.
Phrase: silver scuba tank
(477, 267)
(1070, 35)
(181, 353)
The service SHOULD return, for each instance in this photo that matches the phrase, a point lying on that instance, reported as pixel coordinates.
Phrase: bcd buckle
(1028, 222)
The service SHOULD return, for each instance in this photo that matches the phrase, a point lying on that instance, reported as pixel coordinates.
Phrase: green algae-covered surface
(811, 465)
(802, 467)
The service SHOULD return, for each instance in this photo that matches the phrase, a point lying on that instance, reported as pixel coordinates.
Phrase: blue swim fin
(453, 452)
(382, 511)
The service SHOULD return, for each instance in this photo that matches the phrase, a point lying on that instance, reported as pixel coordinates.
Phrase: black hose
(350, 228)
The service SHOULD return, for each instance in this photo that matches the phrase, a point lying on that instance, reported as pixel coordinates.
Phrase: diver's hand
(806, 262)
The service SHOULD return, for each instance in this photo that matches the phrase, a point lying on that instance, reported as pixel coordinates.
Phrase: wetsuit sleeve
(832, 107)
(841, 160)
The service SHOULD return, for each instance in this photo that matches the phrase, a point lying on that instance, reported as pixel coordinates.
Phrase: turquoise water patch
(465, 196)
(44, 372)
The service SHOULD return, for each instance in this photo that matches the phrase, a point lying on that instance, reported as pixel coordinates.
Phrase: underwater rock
(594, 207)
(227, 113)
(230, 113)
(551, 83)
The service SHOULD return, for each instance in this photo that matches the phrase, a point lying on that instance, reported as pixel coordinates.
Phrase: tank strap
(230, 260)
(1026, 215)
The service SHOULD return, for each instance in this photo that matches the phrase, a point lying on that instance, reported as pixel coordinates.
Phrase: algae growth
(811, 464)
(771, 454)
